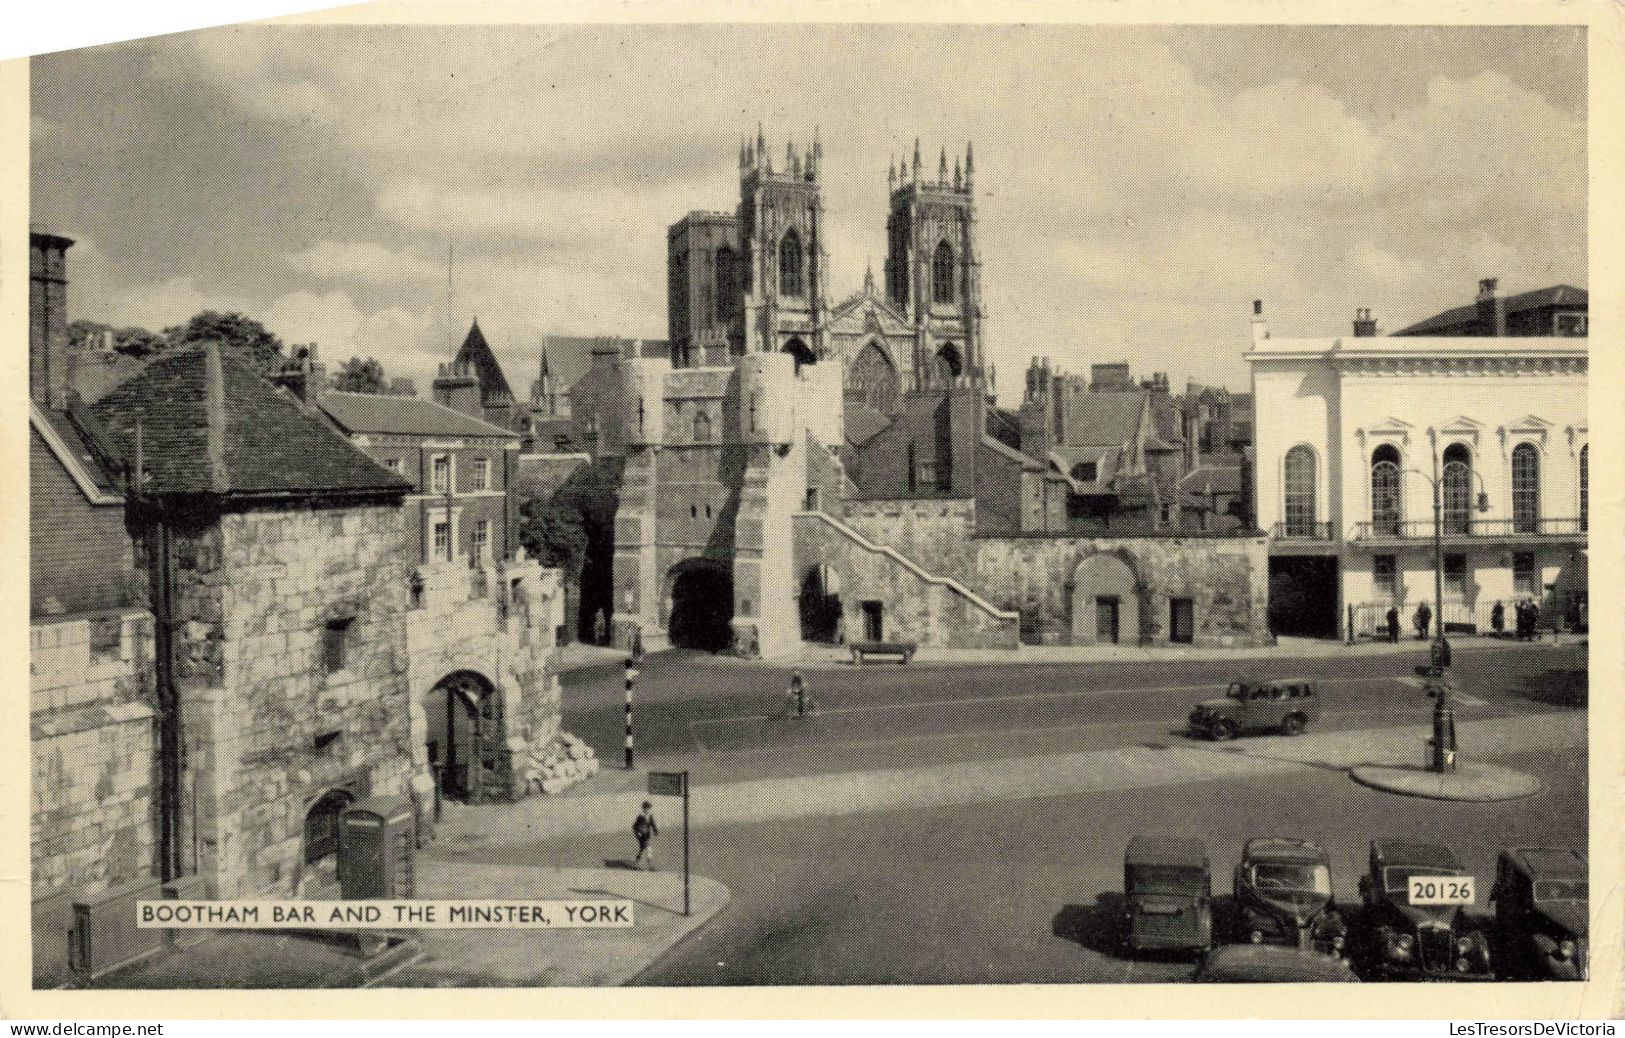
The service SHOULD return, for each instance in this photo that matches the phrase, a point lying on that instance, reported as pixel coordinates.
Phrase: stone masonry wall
(914, 607)
(1227, 579)
(501, 625)
(93, 750)
(269, 727)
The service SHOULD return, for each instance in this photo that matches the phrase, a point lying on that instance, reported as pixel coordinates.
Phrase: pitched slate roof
(85, 442)
(402, 416)
(863, 423)
(569, 356)
(1102, 419)
(1212, 479)
(265, 442)
(1556, 295)
(476, 353)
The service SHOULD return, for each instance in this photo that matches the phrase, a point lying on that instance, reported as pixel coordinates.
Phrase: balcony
(1302, 530)
(1472, 529)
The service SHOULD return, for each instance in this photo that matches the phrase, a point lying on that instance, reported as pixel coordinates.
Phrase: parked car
(1405, 941)
(1271, 964)
(1283, 892)
(1286, 706)
(1168, 888)
(1542, 901)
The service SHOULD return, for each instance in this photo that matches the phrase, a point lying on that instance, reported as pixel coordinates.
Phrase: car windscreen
(1396, 877)
(1167, 879)
(1562, 890)
(1280, 876)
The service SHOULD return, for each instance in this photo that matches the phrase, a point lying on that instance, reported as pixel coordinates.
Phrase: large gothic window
(1457, 489)
(1385, 501)
(942, 274)
(1585, 488)
(790, 278)
(1299, 478)
(1525, 488)
(873, 379)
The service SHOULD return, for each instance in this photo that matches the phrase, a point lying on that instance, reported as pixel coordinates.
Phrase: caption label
(1441, 890)
(383, 915)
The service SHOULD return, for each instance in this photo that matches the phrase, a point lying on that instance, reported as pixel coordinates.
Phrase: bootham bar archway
(701, 593)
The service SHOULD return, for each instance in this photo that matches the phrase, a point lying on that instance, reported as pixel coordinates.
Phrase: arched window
(1585, 488)
(702, 427)
(1457, 489)
(790, 282)
(942, 274)
(1386, 510)
(949, 364)
(1525, 488)
(1299, 478)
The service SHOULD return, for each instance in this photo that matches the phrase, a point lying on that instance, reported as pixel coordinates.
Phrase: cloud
(362, 261)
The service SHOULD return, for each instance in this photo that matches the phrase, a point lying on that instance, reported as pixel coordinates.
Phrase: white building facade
(1352, 431)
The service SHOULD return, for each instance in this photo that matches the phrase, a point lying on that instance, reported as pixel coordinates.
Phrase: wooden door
(1106, 608)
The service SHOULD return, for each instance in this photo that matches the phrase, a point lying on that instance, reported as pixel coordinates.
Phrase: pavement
(455, 958)
(1473, 781)
(560, 957)
(609, 808)
(822, 657)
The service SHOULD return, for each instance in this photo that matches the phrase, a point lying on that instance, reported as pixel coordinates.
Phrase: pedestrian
(1571, 615)
(600, 628)
(799, 702)
(1498, 618)
(645, 830)
(1534, 621)
(1423, 620)
(1393, 624)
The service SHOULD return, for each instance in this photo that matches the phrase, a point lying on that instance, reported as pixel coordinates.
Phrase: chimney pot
(1258, 308)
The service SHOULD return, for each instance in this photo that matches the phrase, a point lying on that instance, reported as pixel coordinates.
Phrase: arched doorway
(949, 364)
(1105, 602)
(453, 709)
(702, 604)
(322, 837)
(821, 605)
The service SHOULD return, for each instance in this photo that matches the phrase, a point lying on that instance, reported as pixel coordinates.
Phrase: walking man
(797, 695)
(1393, 624)
(1498, 618)
(1423, 620)
(645, 830)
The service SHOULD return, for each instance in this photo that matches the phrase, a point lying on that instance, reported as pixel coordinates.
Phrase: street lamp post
(1444, 719)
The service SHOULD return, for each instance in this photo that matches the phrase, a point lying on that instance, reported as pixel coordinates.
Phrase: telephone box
(376, 843)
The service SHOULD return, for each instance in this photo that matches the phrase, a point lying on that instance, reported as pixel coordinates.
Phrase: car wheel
(1220, 731)
(1292, 724)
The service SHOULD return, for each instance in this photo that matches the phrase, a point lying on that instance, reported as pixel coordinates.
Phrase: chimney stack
(48, 361)
(1261, 330)
(304, 376)
(1364, 326)
(1492, 309)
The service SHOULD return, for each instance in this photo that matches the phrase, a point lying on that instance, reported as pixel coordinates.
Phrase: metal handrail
(1469, 526)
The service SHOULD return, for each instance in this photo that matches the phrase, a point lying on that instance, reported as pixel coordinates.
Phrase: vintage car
(1283, 891)
(1404, 941)
(1285, 705)
(1168, 891)
(1542, 923)
(1271, 964)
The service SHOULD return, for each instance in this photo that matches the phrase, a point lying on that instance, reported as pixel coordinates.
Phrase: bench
(903, 651)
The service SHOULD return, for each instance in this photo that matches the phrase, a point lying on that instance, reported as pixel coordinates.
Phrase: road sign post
(675, 784)
(631, 680)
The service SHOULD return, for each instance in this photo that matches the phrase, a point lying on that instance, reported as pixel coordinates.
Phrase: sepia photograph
(729, 505)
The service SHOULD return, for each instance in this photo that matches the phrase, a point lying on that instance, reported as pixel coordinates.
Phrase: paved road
(1024, 890)
(725, 720)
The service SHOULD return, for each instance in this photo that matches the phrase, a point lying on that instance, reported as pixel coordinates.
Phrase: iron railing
(1302, 530)
(1419, 529)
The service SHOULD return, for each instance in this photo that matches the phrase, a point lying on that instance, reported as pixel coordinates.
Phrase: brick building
(460, 467)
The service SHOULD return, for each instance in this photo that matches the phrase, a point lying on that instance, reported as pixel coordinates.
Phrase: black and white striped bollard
(631, 679)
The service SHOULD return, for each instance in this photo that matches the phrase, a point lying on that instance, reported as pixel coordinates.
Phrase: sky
(1137, 187)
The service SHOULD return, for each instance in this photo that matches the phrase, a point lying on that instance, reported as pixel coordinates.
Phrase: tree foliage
(132, 341)
(553, 533)
(361, 376)
(249, 339)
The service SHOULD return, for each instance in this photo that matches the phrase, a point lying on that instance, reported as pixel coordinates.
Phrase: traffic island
(1482, 783)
